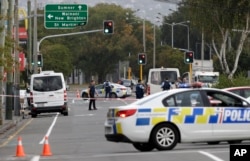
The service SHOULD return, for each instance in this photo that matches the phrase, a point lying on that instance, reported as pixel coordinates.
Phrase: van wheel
(164, 137)
(33, 115)
(143, 146)
(65, 113)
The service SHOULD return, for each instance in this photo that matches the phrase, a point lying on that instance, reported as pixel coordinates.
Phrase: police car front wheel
(143, 146)
(164, 137)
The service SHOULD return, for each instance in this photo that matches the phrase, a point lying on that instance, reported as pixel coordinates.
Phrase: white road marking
(210, 156)
(50, 129)
(35, 158)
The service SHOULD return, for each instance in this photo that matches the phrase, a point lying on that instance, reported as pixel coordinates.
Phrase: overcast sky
(148, 8)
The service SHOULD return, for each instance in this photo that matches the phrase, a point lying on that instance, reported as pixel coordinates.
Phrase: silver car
(118, 91)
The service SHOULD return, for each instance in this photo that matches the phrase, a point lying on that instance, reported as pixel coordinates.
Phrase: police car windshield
(51, 83)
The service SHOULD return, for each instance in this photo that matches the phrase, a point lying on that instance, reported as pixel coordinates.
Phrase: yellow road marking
(15, 134)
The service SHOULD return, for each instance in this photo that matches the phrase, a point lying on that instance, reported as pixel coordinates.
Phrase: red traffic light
(189, 57)
(142, 59)
(108, 27)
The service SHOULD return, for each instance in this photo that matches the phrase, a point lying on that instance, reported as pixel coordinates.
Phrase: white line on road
(211, 156)
(35, 158)
(50, 129)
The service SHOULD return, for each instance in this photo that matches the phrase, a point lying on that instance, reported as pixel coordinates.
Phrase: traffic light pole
(60, 35)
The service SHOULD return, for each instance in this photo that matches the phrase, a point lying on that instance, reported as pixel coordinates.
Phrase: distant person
(139, 91)
(107, 88)
(166, 85)
(179, 82)
(91, 95)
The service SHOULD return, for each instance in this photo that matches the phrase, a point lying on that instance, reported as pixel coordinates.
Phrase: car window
(247, 93)
(184, 99)
(51, 83)
(99, 86)
(236, 92)
(224, 100)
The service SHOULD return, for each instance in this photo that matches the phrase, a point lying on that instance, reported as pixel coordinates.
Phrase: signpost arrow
(50, 16)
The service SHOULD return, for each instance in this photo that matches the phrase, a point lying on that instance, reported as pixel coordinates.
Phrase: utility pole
(35, 49)
(9, 99)
(17, 71)
(4, 6)
(29, 51)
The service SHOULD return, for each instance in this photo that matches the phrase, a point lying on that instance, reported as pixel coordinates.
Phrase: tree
(217, 20)
(57, 57)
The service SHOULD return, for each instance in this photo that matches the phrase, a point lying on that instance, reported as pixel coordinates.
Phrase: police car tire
(113, 95)
(143, 147)
(158, 138)
(84, 95)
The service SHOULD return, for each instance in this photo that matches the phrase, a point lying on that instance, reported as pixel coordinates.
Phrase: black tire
(113, 95)
(84, 95)
(143, 147)
(164, 137)
(33, 115)
(234, 142)
(66, 113)
(213, 142)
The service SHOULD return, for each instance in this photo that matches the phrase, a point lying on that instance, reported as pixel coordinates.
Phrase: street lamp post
(172, 31)
(144, 41)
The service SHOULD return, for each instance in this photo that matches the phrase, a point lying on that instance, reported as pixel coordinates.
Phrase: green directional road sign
(65, 16)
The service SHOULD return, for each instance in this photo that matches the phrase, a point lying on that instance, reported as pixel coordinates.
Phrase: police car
(163, 119)
(117, 91)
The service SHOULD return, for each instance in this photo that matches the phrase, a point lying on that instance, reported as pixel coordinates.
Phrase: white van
(157, 75)
(48, 93)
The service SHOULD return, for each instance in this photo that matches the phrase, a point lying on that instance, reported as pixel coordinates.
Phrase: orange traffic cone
(19, 148)
(46, 148)
(77, 94)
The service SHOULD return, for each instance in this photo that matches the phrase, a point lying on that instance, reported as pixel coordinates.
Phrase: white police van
(157, 75)
(48, 93)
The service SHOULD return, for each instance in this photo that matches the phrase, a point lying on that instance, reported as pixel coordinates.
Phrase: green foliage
(239, 80)
(57, 57)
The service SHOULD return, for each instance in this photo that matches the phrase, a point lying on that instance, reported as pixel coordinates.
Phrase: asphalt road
(80, 136)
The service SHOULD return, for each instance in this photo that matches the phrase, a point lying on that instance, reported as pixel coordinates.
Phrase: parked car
(118, 91)
(187, 115)
(243, 91)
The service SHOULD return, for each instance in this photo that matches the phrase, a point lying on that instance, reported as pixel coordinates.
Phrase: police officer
(139, 90)
(107, 88)
(91, 94)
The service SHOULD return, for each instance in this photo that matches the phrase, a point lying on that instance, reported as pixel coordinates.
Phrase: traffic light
(142, 59)
(108, 27)
(189, 57)
(39, 60)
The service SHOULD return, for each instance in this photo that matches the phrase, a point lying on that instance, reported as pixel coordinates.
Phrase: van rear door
(48, 91)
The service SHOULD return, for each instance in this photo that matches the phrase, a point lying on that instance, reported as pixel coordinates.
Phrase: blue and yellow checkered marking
(185, 115)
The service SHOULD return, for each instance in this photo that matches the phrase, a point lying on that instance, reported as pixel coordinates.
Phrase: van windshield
(51, 83)
(159, 76)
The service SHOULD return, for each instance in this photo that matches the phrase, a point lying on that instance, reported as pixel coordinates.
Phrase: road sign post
(65, 16)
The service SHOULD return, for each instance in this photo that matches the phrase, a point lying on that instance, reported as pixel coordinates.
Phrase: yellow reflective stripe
(160, 109)
(119, 128)
(156, 120)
